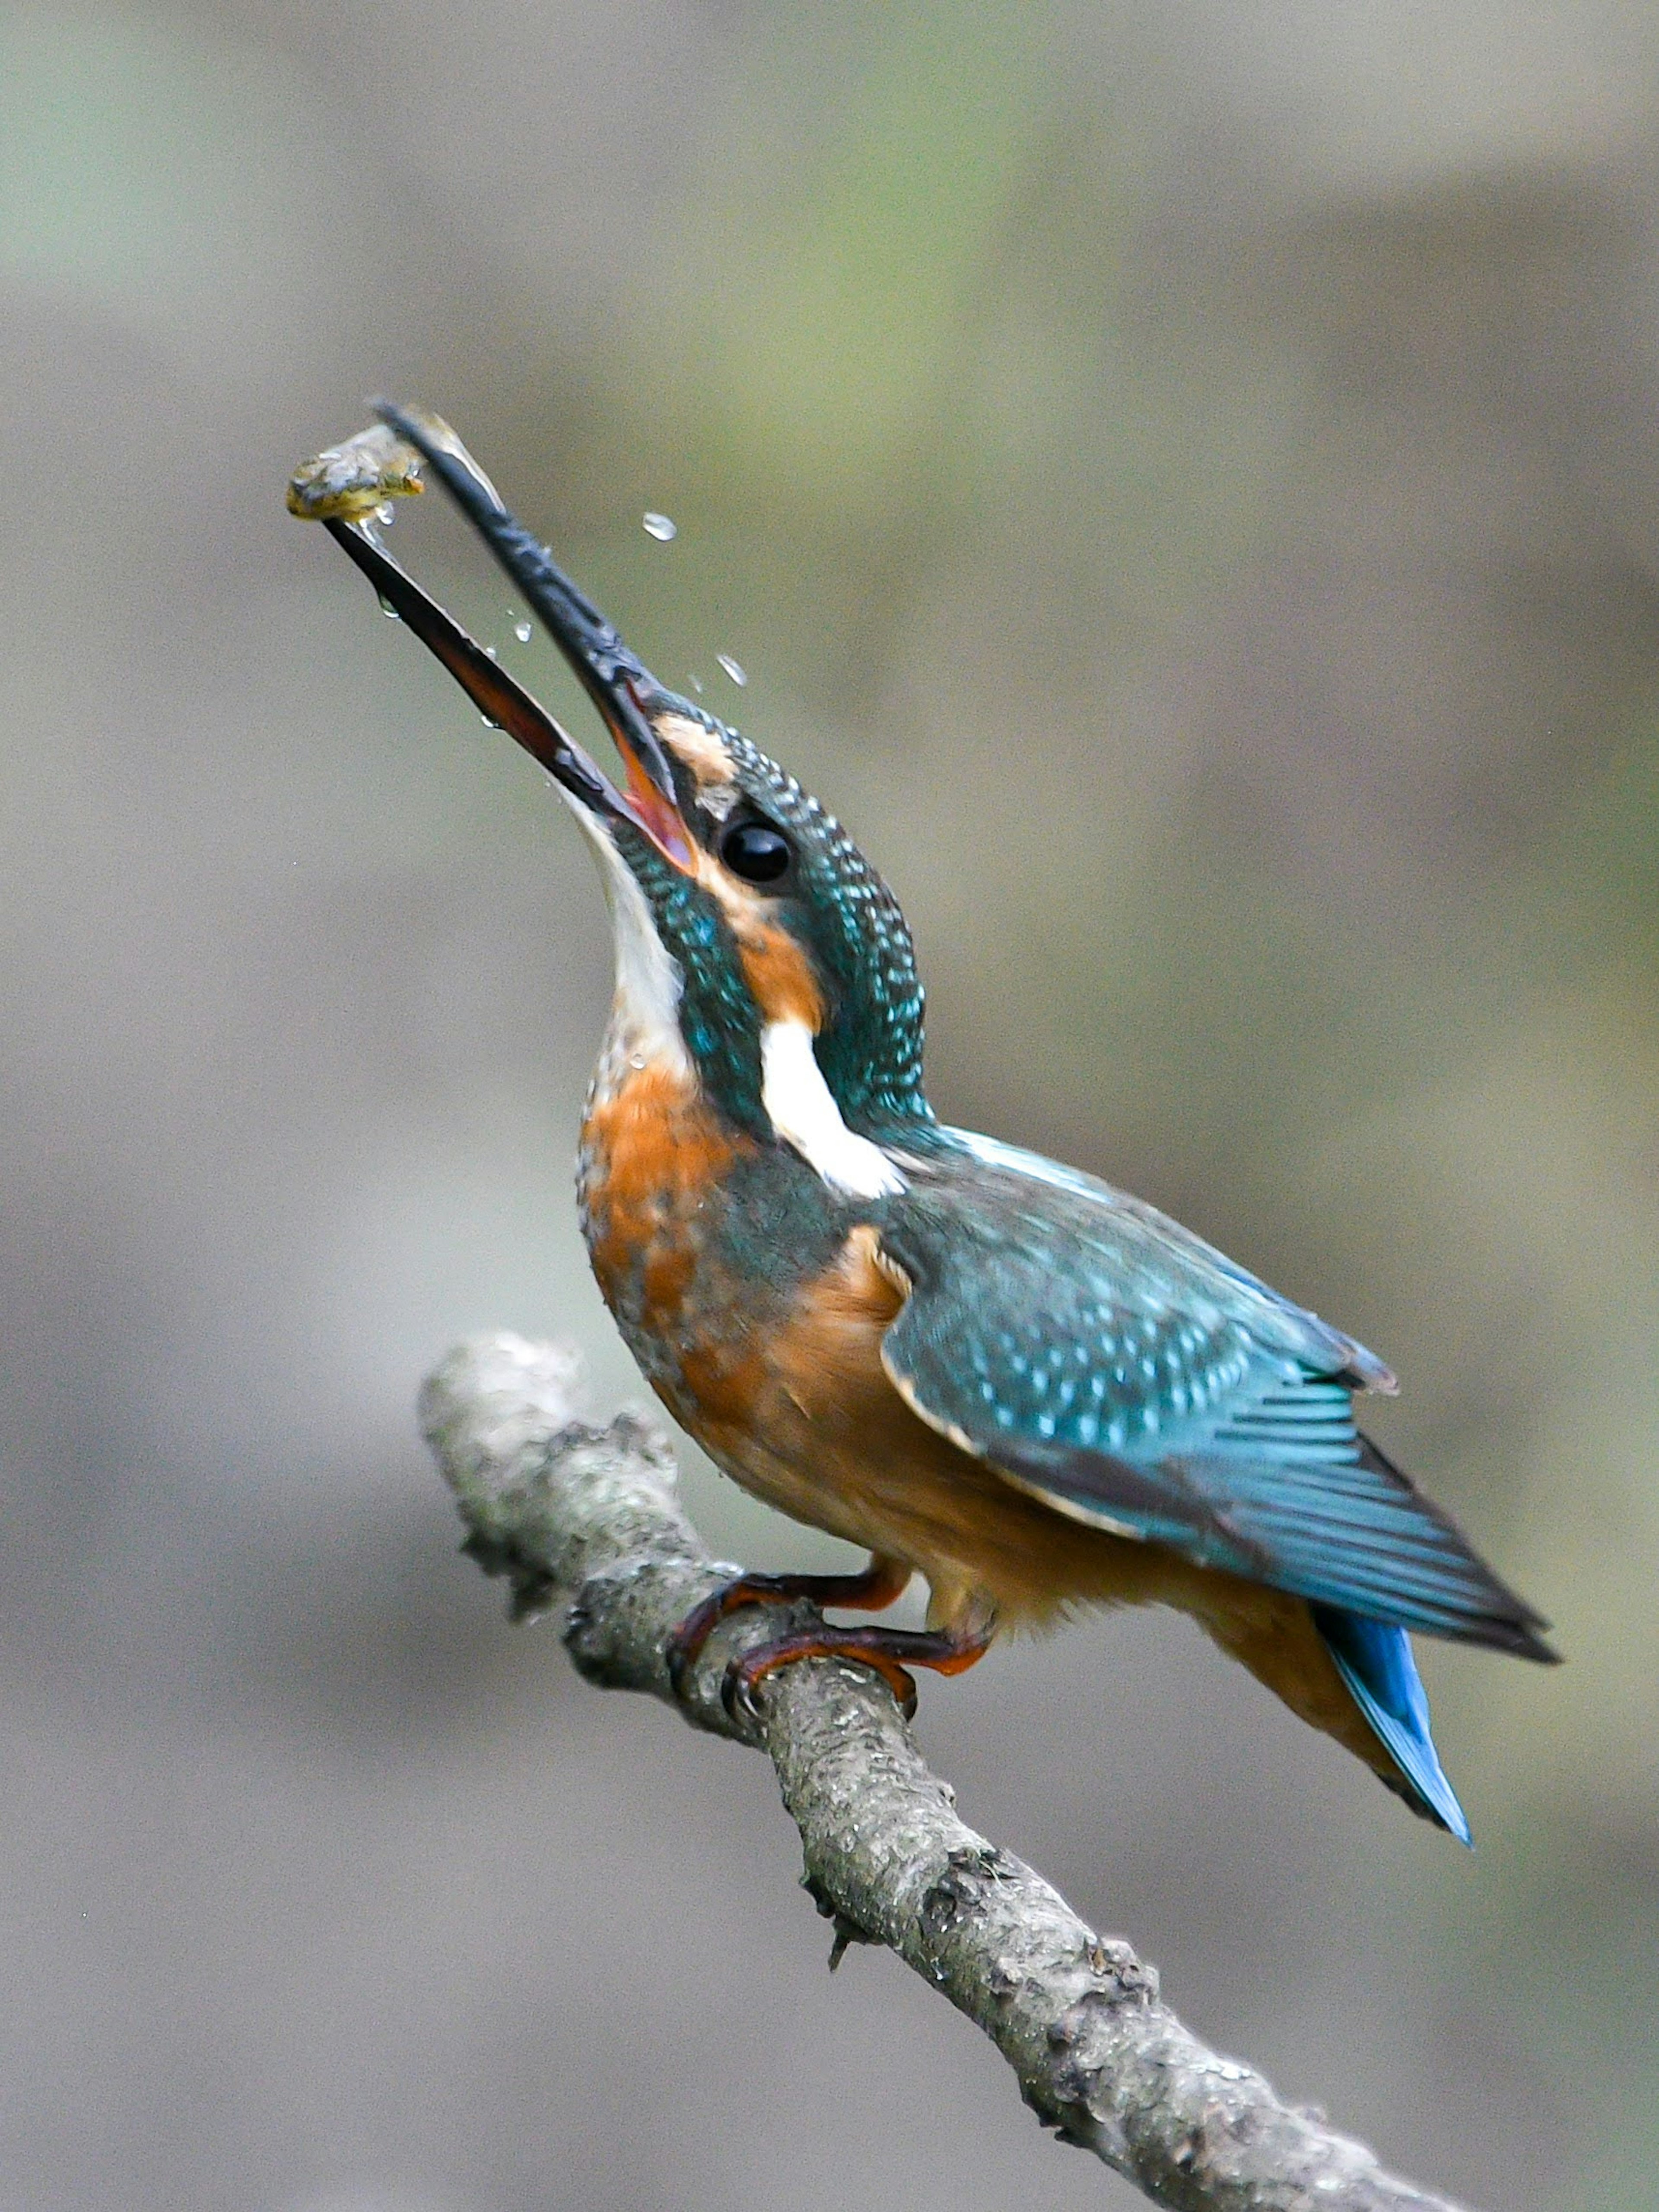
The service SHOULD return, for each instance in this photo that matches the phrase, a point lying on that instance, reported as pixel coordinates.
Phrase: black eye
(756, 852)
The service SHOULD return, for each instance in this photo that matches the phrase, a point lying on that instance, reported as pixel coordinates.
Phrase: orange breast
(652, 1154)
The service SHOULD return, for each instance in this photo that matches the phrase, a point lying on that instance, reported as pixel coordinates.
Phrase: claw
(738, 1697)
(873, 1589)
(885, 1649)
(685, 1645)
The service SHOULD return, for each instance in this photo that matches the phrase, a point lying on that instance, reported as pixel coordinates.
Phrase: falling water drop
(386, 515)
(386, 607)
(662, 527)
(490, 653)
(696, 685)
(489, 721)
(523, 632)
(737, 674)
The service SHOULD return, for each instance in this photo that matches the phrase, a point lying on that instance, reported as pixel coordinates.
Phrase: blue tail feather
(1375, 1661)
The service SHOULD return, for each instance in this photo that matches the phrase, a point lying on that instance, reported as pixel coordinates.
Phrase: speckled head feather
(825, 943)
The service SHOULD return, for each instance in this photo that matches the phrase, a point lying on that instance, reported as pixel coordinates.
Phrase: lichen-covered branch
(591, 1517)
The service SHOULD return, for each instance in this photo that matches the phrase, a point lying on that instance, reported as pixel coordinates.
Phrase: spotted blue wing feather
(1122, 1369)
(1143, 1228)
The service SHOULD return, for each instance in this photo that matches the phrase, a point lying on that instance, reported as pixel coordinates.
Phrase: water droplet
(490, 653)
(662, 527)
(386, 607)
(696, 685)
(737, 674)
(523, 632)
(489, 721)
(636, 1059)
(386, 515)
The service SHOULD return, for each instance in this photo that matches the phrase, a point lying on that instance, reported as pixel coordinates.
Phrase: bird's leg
(873, 1589)
(890, 1651)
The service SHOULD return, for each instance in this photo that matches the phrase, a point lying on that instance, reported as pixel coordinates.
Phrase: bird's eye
(756, 852)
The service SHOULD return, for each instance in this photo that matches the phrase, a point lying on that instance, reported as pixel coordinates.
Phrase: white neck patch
(645, 1030)
(801, 1110)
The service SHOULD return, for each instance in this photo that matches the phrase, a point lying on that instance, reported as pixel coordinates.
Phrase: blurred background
(1183, 484)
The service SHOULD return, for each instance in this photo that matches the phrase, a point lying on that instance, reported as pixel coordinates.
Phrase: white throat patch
(645, 1027)
(801, 1110)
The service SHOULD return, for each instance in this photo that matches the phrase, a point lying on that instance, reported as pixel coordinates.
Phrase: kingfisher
(979, 1366)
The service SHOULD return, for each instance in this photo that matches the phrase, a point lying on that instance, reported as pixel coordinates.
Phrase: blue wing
(1112, 1363)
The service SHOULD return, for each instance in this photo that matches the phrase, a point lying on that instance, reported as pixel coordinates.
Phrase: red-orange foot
(871, 1590)
(890, 1651)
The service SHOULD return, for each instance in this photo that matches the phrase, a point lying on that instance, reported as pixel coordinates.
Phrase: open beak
(618, 684)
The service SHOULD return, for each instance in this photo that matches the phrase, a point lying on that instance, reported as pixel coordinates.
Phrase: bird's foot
(891, 1651)
(871, 1590)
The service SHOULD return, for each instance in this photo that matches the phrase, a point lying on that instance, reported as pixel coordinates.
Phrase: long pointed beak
(615, 679)
(618, 683)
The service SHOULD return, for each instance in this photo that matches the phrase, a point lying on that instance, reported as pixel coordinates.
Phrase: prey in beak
(346, 488)
(760, 962)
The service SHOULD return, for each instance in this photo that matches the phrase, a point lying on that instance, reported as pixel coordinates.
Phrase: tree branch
(592, 1517)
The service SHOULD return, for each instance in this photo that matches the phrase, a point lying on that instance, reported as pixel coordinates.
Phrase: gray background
(1184, 483)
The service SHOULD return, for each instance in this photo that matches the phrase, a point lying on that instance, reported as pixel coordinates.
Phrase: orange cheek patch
(778, 971)
(780, 976)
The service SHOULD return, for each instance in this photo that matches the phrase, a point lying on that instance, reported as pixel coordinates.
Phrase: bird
(980, 1366)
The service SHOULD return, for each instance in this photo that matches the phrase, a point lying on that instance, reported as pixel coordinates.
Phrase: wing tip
(1504, 1620)
(1507, 1623)
(1520, 1635)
